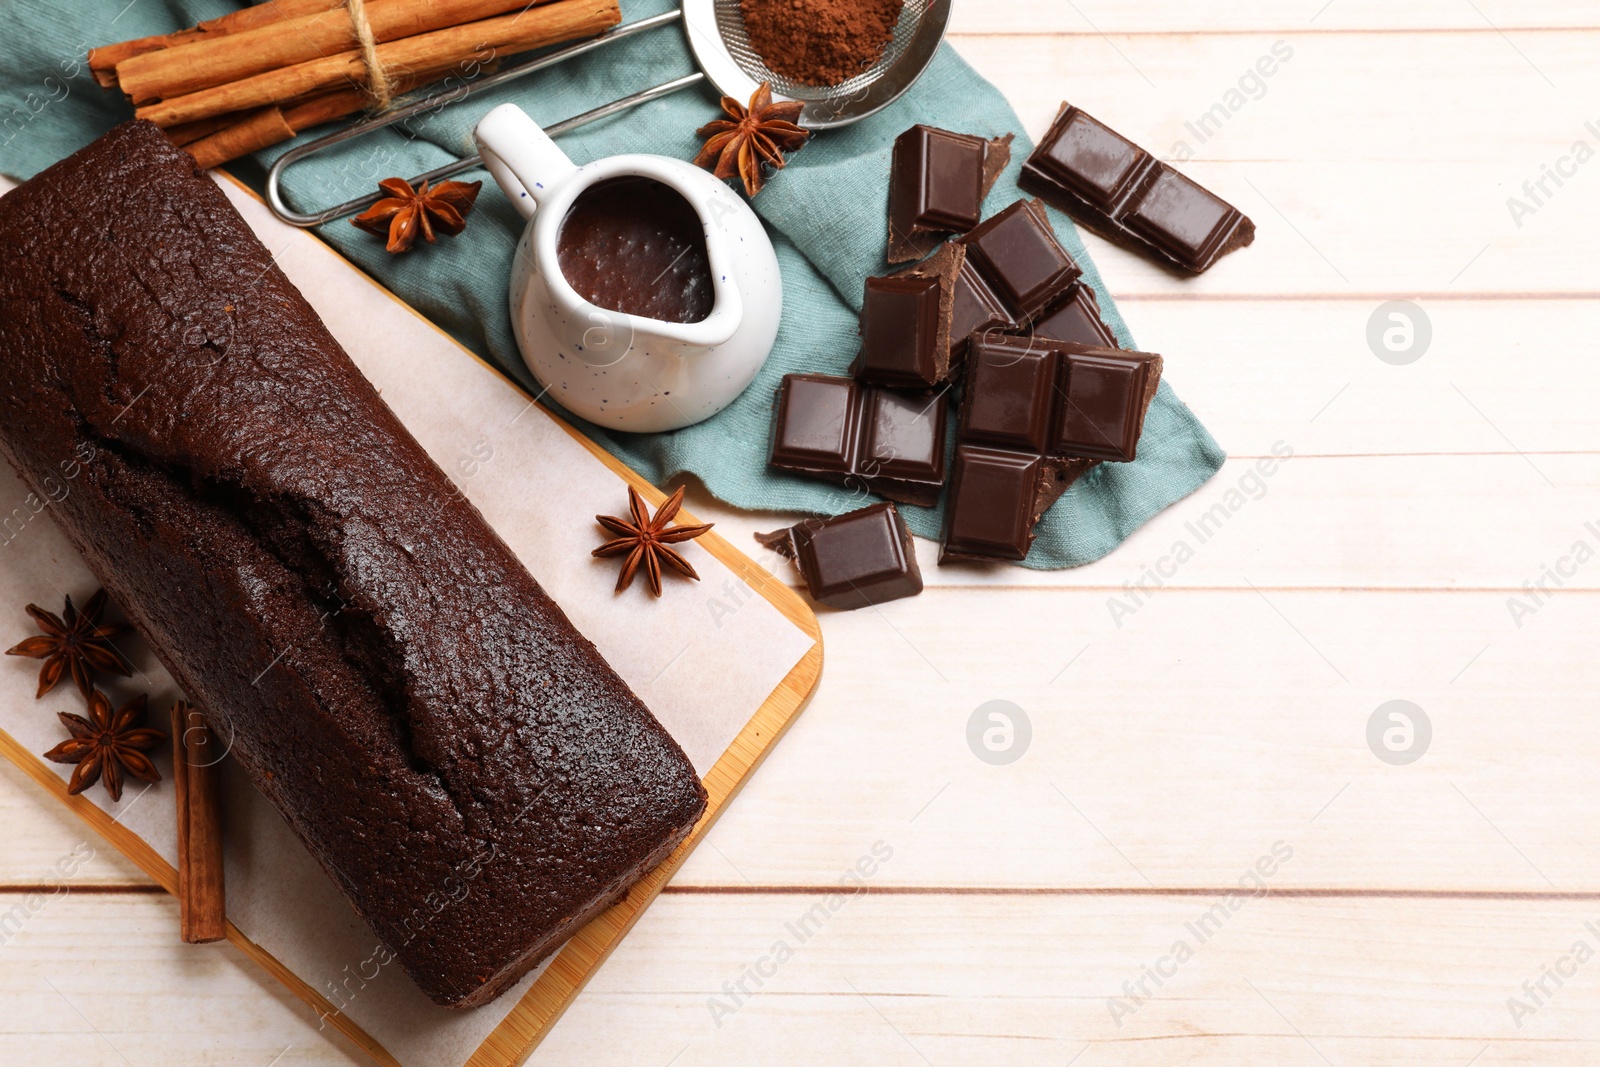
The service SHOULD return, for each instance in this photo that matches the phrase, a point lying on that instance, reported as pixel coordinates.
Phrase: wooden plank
(1303, 372)
(130, 992)
(1442, 522)
(1026, 981)
(1318, 159)
(899, 980)
(1226, 691)
(39, 835)
(1092, 17)
(1344, 97)
(1164, 752)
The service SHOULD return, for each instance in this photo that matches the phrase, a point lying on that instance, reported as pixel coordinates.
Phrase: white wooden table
(1421, 913)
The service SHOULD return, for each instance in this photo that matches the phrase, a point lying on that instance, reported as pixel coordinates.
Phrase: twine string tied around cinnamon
(380, 93)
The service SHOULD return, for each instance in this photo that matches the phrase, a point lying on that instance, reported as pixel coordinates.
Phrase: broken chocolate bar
(1126, 195)
(937, 182)
(1038, 414)
(889, 442)
(1018, 254)
(906, 322)
(852, 561)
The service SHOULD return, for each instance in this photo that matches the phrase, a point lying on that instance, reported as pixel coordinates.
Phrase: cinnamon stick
(191, 132)
(103, 60)
(537, 27)
(259, 129)
(230, 136)
(201, 898)
(216, 60)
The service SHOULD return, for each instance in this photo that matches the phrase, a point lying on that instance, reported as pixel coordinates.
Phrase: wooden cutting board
(726, 664)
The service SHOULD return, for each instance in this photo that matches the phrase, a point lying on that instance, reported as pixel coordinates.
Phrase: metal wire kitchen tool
(716, 34)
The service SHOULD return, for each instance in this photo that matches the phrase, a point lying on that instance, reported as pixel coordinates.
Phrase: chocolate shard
(854, 560)
(1038, 414)
(885, 441)
(975, 309)
(937, 183)
(1018, 254)
(1075, 317)
(906, 323)
(1126, 195)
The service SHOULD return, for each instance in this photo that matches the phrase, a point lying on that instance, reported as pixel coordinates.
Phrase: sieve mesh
(730, 24)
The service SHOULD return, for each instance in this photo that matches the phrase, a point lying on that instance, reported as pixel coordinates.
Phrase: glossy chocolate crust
(462, 762)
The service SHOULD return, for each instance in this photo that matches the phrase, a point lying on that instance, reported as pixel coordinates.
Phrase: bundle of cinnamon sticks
(258, 76)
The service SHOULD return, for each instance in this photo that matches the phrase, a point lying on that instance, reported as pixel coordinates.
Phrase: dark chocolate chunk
(1010, 386)
(1017, 252)
(903, 437)
(975, 310)
(1126, 195)
(899, 328)
(906, 320)
(1184, 220)
(890, 442)
(815, 429)
(1036, 404)
(990, 511)
(854, 560)
(1094, 161)
(1075, 317)
(1102, 394)
(937, 182)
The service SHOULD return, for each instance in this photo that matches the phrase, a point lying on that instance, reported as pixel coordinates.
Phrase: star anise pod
(108, 747)
(75, 642)
(645, 540)
(751, 136)
(406, 212)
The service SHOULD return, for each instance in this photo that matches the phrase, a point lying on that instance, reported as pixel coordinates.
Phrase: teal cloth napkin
(826, 213)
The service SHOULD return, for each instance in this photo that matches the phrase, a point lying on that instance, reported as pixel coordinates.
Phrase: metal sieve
(716, 34)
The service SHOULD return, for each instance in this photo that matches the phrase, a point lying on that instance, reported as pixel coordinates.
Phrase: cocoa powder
(820, 42)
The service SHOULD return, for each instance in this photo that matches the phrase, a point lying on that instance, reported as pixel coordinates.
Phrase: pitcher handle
(521, 156)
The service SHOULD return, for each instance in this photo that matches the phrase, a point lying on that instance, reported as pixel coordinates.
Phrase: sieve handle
(274, 183)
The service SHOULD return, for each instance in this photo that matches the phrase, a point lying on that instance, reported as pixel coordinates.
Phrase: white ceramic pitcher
(622, 371)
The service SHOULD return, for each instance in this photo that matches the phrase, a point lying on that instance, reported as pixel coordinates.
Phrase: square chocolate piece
(816, 424)
(905, 436)
(1091, 159)
(937, 182)
(990, 511)
(1104, 396)
(906, 320)
(1017, 252)
(1008, 393)
(899, 329)
(891, 443)
(855, 560)
(1181, 217)
(1075, 318)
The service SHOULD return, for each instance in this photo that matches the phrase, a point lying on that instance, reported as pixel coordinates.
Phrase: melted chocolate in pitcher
(635, 245)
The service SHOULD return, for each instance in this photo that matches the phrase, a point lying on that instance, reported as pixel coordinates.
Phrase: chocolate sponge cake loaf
(462, 762)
